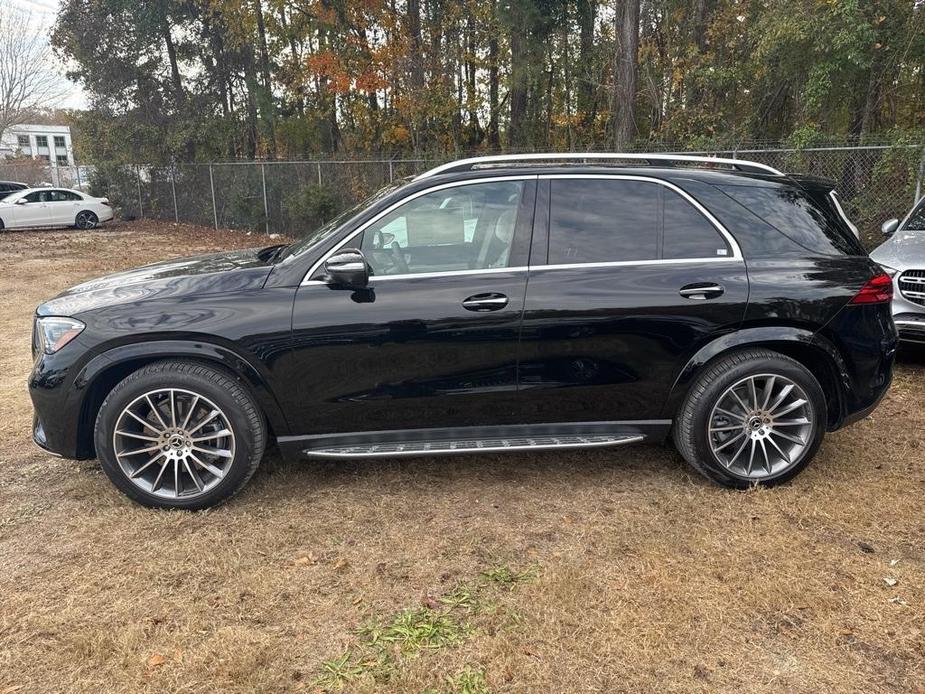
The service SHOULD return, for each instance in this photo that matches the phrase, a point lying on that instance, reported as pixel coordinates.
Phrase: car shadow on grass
(444, 475)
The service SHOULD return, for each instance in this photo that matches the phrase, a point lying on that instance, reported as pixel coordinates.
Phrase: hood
(198, 275)
(902, 251)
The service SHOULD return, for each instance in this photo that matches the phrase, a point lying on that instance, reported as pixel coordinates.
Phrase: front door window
(468, 227)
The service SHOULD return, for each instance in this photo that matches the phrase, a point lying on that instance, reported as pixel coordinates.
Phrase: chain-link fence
(292, 197)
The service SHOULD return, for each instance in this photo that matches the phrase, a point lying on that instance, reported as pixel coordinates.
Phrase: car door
(58, 207)
(432, 342)
(32, 211)
(637, 277)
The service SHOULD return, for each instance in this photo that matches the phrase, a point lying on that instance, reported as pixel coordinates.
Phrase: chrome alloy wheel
(85, 220)
(173, 443)
(761, 426)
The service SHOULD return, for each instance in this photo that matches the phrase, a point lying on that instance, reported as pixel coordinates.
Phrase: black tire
(86, 219)
(238, 407)
(691, 425)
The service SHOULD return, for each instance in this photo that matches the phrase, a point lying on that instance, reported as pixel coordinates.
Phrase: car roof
(39, 188)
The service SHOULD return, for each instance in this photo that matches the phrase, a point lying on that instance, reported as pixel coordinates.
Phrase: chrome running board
(488, 445)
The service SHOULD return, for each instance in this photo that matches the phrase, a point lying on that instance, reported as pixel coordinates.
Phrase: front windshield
(916, 221)
(327, 228)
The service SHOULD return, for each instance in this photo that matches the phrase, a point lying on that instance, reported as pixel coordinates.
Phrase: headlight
(53, 332)
(891, 271)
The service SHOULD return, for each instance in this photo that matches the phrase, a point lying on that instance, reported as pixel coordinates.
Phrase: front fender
(251, 371)
(782, 338)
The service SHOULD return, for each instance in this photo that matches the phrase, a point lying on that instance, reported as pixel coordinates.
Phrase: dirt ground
(606, 571)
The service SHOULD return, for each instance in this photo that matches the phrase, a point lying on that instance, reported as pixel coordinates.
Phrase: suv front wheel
(178, 434)
(755, 416)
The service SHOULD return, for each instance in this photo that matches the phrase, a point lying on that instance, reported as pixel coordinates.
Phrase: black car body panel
(574, 347)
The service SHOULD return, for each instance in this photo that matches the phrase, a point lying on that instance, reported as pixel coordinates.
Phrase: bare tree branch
(28, 80)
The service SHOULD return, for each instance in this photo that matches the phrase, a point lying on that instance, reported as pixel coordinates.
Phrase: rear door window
(619, 220)
(599, 220)
(687, 233)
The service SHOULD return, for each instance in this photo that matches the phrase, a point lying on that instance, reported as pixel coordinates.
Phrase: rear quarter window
(799, 216)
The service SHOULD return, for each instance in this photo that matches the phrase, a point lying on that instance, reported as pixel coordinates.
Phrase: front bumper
(911, 326)
(57, 403)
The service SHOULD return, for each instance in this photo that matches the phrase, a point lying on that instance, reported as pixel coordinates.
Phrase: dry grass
(595, 571)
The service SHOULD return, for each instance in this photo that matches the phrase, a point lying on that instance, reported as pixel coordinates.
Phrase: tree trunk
(518, 133)
(587, 12)
(624, 91)
(494, 138)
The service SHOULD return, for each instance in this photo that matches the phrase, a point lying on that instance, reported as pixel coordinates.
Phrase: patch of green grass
(414, 630)
(469, 680)
(462, 597)
(337, 672)
(507, 577)
(384, 644)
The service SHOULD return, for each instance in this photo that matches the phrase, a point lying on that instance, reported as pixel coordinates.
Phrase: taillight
(877, 290)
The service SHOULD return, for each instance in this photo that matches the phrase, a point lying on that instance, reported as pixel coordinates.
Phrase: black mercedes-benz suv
(493, 304)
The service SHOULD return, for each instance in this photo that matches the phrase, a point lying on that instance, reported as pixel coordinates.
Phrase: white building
(50, 143)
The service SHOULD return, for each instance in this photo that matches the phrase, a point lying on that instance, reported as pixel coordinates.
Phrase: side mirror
(889, 226)
(21, 201)
(347, 268)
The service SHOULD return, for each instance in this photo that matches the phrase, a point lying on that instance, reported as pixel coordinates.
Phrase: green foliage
(414, 630)
(311, 206)
(442, 622)
(507, 577)
(469, 680)
(188, 81)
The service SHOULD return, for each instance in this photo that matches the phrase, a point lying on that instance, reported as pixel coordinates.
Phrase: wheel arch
(811, 350)
(101, 374)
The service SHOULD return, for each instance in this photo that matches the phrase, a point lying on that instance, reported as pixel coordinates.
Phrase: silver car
(902, 255)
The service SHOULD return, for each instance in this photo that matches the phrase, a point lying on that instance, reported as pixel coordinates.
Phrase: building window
(44, 157)
(61, 159)
(23, 141)
(41, 140)
(59, 141)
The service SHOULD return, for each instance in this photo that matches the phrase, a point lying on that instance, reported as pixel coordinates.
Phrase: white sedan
(52, 207)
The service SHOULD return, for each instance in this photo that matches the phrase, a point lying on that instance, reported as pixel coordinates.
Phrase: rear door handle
(701, 290)
(491, 301)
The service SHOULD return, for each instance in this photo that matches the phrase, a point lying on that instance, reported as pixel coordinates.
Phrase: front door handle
(701, 290)
(491, 301)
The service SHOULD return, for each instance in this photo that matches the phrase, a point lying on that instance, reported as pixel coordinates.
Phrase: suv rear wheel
(754, 416)
(179, 434)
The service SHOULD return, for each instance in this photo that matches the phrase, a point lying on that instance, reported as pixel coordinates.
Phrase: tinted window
(466, 227)
(916, 221)
(37, 196)
(62, 196)
(687, 233)
(794, 213)
(596, 220)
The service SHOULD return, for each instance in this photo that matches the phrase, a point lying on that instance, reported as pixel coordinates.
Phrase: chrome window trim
(627, 263)
(729, 238)
(445, 273)
(368, 223)
(736, 251)
(844, 217)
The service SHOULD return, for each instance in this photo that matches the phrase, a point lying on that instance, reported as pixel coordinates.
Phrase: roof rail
(649, 158)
